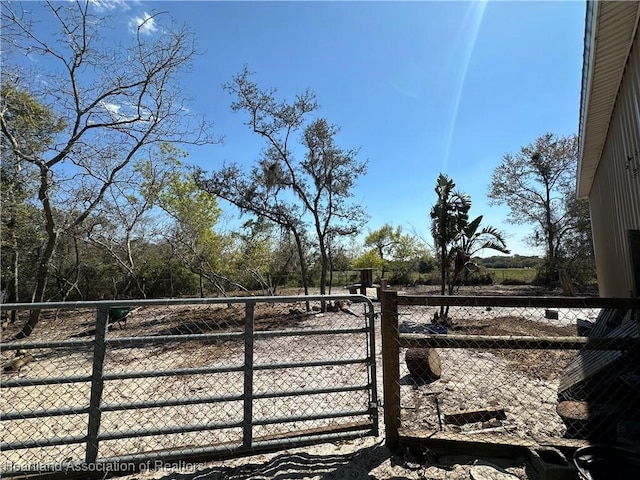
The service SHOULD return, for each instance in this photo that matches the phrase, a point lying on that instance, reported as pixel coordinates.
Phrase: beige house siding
(610, 29)
(615, 192)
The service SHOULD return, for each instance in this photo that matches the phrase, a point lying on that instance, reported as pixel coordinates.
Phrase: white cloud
(106, 5)
(111, 108)
(128, 112)
(146, 24)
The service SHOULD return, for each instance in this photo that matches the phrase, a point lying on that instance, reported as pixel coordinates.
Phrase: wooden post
(366, 279)
(390, 367)
(380, 288)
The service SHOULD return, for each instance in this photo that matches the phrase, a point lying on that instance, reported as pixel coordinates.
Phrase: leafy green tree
(369, 259)
(406, 257)
(384, 240)
(536, 184)
(191, 231)
(399, 252)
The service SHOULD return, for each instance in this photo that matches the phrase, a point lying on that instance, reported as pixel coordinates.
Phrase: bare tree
(536, 184)
(114, 101)
(321, 181)
(123, 220)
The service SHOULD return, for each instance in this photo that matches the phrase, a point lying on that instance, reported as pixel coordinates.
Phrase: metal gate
(114, 386)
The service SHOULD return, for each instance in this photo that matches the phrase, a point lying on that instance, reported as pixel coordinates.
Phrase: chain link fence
(529, 371)
(118, 384)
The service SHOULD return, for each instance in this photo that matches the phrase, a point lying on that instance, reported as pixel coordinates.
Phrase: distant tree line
(512, 261)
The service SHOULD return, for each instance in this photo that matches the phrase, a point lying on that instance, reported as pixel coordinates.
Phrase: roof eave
(610, 29)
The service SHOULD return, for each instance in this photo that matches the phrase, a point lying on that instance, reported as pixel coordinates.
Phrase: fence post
(390, 367)
(247, 424)
(373, 381)
(97, 384)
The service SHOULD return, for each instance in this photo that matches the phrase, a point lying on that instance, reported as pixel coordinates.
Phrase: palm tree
(449, 216)
(457, 239)
(469, 242)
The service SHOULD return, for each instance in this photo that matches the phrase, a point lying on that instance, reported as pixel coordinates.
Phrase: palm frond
(471, 228)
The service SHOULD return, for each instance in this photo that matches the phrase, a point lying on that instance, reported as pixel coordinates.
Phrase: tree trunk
(323, 267)
(11, 226)
(303, 264)
(42, 271)
(443, 277)
(15, 294)
(330, 271)
(552, 272)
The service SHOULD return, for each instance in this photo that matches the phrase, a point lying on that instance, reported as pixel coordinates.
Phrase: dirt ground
(365, 458)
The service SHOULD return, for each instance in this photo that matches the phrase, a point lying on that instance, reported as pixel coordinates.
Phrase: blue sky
(421, 87)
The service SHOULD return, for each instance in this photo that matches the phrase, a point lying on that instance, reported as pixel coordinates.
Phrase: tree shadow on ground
(299, 465)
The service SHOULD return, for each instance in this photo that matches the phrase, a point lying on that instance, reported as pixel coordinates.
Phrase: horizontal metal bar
(518, 301)
(309, 440)
(225, 336)
(410, 340)
(115, 407)
(149, 432)
(178, 301)
(170, 373)
(304, 333)
(307, 418)
(190, 337)
(136, 341)
(34, 382)
(51, 412)
(319, 363)
(296, 393)
(46, 344)
(43, 442)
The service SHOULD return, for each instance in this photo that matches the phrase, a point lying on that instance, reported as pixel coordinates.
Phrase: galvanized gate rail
(101, 343)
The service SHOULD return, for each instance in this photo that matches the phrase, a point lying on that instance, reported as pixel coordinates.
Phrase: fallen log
(424, 363)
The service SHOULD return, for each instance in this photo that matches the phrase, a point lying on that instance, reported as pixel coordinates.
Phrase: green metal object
(118, 314)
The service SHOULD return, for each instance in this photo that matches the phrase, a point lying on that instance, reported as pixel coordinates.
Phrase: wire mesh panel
(142, 380)
(539, 370)
(51, 379)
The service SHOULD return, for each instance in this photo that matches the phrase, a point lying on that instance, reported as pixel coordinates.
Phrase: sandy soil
(464, 385)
